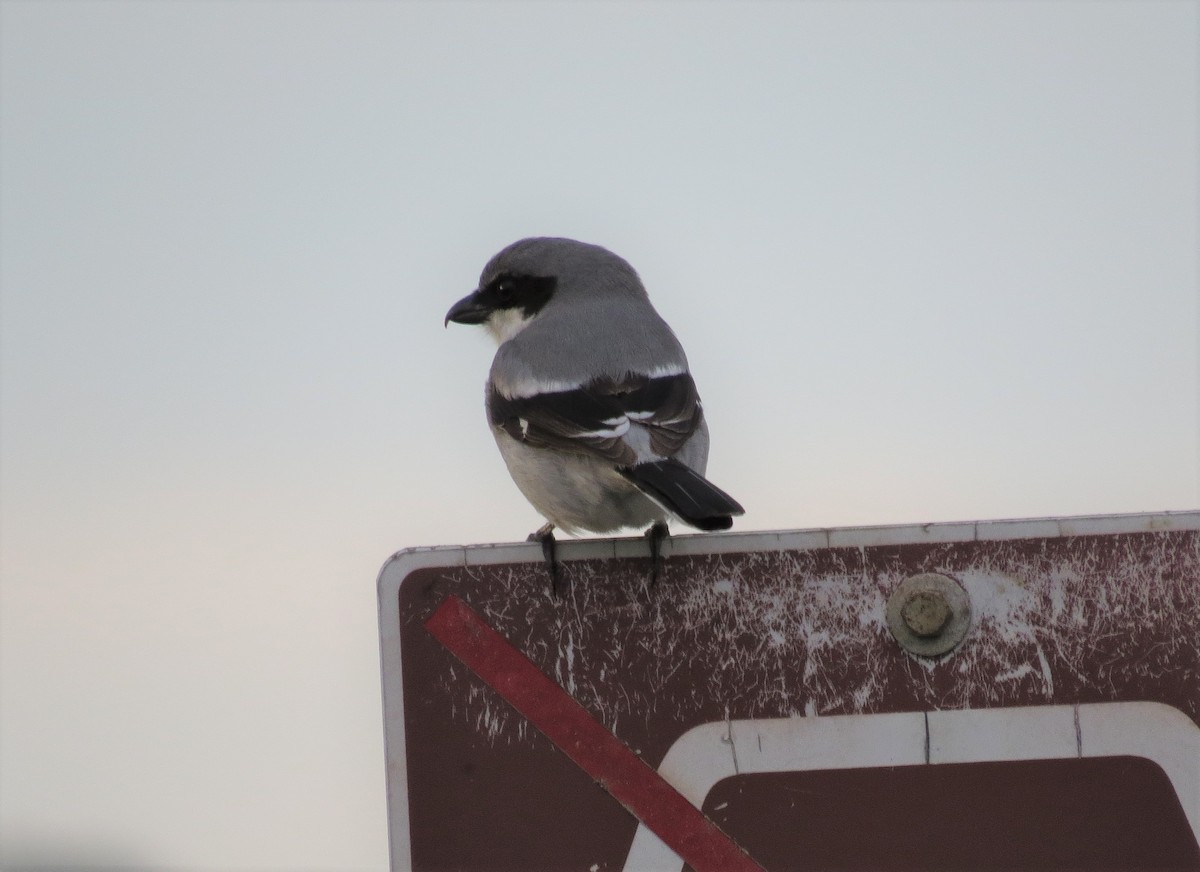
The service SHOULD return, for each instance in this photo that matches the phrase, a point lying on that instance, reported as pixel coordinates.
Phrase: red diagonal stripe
(589, 744)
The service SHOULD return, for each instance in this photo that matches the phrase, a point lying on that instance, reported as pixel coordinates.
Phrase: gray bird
(589, 396)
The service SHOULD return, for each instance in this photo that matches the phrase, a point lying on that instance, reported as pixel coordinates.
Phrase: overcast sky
(931, 261)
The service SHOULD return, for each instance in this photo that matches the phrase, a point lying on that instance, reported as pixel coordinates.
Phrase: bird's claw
(545, 535)
(655, 535)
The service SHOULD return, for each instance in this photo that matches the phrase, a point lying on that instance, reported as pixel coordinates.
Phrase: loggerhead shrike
(589, 397)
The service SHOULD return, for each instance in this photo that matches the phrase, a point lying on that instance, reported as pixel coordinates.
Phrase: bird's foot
(545, 535)
(655, 535)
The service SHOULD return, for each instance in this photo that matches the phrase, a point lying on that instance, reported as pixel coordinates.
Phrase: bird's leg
(655, 535)
(545, 535)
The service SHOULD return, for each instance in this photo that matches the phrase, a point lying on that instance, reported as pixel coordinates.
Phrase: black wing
(594, 418)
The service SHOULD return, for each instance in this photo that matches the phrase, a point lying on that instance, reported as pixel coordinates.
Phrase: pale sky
(931, 261)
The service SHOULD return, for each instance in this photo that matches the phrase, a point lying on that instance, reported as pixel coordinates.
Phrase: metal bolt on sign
(929, 614)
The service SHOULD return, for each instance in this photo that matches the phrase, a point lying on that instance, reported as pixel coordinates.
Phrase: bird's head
(534, 275)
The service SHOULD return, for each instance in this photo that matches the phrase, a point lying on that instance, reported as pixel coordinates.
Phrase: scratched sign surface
(759, 678)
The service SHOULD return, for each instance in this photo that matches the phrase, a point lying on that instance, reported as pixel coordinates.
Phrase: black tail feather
(691, 496)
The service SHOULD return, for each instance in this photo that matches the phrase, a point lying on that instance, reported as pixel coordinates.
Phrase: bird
(589, 397)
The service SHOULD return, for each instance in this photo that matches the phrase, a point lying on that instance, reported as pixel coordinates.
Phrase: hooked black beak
(468, 310)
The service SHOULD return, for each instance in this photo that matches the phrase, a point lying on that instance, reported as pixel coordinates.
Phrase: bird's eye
(506, 290)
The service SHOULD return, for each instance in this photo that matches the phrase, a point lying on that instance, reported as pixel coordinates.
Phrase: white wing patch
(667, 370)
(620, 426)
(526, 388)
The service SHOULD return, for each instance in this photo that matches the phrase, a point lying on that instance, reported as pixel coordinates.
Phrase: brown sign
(770, 680)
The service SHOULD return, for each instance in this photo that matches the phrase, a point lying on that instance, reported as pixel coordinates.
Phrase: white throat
(504, 324)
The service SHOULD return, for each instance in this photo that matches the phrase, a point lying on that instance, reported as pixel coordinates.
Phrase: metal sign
(1000, 695)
